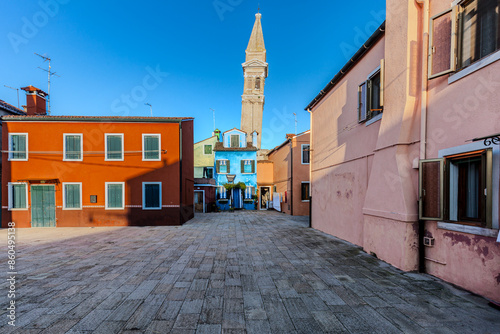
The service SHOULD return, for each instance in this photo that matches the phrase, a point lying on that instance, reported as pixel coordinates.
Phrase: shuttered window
(207, 149)
(305, 153)
(18, 196)
(247, 166)
(151, 146)
(235, 141)
(223, 166)
(115, 193)
(114, 147)
(249, 192)
(371, 95)
(151, 195)
(305, 191)
(73, 147)
(18, 146)
(72, 195)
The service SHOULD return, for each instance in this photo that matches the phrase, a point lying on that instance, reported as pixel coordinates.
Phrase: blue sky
(183, 57)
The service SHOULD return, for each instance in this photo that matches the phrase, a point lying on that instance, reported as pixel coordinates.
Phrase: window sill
(374, 119)
(73, 160)
(483, 231)
(20, 209)
(18, 159)
(114, 208)
(149, 209)
(72, 209)
(474, 67)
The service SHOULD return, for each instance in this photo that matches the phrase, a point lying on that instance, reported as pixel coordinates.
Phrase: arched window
(257, 83)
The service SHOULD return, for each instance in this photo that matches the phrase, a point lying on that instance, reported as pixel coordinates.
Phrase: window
(73, 147)
(463, 35)
(115, 195)
(151, 195)
(247, 166)
(72, 196)
(463, 194)
(114, 147)
(223, 166)
(18, 196)
(151, 147)
(249, 192)
(305, 191)
(235, 141)
(18, 146)
(257, 83)
(207, 149)
(221, 192)
(305, 153)
(370, 95)
(208, 172)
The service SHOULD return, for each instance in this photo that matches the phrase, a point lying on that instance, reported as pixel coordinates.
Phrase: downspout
(181, 192)
(424, 5)
(310, 164)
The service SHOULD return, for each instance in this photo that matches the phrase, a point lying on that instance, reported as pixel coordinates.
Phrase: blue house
(235, 164)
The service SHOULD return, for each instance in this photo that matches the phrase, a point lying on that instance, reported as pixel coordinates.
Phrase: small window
(151, 195)
(305, 154)
(207, 149)
(221, 192)
(72, 196)
(247, 166)
(151, 147)
(223, 166)
(370, 96)
(249, 192)
(208, 172)
(235, 141)
(18, 196)
(305, 191)
(73, 147)
(115, 195)
(257, 83)
(114, 147)
(18, 146)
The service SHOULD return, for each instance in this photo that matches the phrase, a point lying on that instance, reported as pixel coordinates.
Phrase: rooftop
(46, 118)
(220, 147)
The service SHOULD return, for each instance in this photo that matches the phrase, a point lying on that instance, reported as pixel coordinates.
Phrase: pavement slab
(234, 273)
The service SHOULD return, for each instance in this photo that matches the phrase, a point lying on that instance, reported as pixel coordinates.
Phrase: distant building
(235, 165)
(96, 171)
(204, 173)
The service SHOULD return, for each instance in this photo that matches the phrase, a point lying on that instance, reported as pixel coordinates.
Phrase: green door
(43, 206)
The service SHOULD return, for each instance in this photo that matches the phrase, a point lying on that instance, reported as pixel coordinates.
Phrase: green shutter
(253, 166)
(18, 146)
(73, 147)
(72, 195)
(114, 147)
(228, 167)
(217, 166)
(115, 198)
(242, 166)
(19, 196)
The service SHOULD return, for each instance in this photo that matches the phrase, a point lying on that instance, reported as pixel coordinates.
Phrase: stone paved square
(242, 272)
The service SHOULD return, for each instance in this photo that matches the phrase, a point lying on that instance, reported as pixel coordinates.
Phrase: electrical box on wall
(429, 242)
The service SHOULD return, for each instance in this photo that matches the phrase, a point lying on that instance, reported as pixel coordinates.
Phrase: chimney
(36, 103)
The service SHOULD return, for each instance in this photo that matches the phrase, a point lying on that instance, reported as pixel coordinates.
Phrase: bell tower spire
(255, 74)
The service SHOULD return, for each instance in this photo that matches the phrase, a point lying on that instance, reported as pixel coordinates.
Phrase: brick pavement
(247, 272)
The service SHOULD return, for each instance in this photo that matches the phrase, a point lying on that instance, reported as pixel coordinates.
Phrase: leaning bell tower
(255, 74)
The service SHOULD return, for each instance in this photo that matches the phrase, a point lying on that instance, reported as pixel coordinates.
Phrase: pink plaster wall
(300, 174)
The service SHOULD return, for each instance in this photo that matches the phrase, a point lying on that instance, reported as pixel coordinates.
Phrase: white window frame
(220, 164)
(144, 196)
(248, 192)
(302, 154)
(106, 195)
(64, 195)
(10, 199)
(64, 146)
(159, 145)
(210, 146)
(10, 145)
(223, 192)
(369, 119)
(309, 188)
(106, 146)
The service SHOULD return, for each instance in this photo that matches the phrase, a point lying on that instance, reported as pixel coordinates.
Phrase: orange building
(96, 171)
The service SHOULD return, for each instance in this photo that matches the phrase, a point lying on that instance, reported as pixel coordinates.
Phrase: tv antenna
(50, 74)
(213, 111)
(17, 89)
(295, 115)
(150, 108)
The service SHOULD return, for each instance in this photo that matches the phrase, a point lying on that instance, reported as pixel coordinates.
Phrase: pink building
(394, 129)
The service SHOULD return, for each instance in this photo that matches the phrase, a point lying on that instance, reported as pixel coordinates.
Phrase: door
(265, 196)
(199, 201)
(43, 206)
(237, 198)
(235, 141)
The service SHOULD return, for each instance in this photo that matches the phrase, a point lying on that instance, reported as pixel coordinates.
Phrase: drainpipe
(424, 5)
(291, 176)
(310, 164)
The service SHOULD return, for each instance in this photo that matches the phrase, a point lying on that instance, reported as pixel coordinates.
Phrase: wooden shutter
(431, 189)
(442, 43)
(382, 81)
(217, 166)
(362, 108)
(487, 160)
(253, 166)
(242, 166)
(228, 168)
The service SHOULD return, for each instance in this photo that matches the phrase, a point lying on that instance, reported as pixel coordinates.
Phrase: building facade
(97, 171)
(255, 74)
(290, 162)
(235, 171)
(204, 177)
(394, 165)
